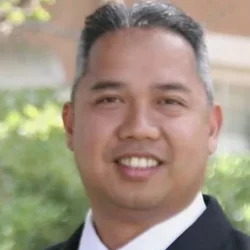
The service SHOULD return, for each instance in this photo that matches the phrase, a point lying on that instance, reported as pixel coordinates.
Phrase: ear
(68, 121)
(215, 125)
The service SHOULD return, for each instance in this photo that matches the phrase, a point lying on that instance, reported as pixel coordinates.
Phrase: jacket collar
(73, 242)
(209, 231)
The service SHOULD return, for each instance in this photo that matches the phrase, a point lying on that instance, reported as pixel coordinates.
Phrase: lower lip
(136, 173)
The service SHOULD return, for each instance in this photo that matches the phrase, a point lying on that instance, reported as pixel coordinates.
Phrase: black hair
(115, 16)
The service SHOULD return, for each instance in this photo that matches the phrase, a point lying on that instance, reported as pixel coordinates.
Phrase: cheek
(92, 135)
(189, 147)
(188, 139)
(190, 130)
(92, 139)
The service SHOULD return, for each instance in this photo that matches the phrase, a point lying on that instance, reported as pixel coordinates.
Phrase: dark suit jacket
(212, 231)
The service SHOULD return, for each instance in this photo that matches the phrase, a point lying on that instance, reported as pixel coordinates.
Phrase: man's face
(140, 128)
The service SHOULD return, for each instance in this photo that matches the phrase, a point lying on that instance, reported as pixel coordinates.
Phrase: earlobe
(68, 121)
(216, 120)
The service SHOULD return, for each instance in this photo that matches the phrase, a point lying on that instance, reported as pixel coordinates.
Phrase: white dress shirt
(158, 237)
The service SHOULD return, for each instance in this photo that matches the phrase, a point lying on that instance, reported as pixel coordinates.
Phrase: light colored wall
(23, 65)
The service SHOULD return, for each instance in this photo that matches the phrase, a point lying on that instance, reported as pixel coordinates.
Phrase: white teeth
(152, 162)
(139, 162)
(134, 161)
(126, 162)
(143, 162)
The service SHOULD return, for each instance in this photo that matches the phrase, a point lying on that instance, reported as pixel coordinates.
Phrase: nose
(139, 126)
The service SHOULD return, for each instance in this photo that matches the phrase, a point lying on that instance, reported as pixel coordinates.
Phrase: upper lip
(140, 155)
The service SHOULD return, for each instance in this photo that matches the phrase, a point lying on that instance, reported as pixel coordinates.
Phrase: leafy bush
(41, 190)
(228, 179)
(16, 12)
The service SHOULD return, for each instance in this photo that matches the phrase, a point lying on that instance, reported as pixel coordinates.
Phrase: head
(142, 97)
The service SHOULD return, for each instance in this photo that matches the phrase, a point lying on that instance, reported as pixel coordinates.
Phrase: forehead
(143, 54)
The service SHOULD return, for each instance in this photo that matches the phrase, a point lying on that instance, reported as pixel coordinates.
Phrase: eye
(170, 101)
(108, 100)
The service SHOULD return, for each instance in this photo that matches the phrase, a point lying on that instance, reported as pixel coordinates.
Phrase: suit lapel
(73, 242)
(210, 231)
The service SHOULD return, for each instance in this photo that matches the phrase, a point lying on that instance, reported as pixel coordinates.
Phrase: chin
(139, 202)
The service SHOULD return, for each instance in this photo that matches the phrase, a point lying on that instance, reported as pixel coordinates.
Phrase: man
(142, 123)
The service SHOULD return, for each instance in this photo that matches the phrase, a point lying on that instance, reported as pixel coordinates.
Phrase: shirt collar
(158, 237)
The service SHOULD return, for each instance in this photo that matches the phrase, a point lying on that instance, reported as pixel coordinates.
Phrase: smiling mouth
(139, 163)
(138, 168)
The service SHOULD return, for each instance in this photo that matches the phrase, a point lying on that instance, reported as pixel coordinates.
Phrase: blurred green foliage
(16, 12)
(42, 199)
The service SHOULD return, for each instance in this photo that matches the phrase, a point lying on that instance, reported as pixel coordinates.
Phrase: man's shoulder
(58, 246)
(237, 241)
(242, 240)
(72, 243)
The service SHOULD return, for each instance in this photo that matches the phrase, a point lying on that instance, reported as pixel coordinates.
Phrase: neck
(114, 233)
(116, 227)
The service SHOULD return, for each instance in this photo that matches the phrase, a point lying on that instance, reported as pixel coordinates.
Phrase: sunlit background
(42, 199)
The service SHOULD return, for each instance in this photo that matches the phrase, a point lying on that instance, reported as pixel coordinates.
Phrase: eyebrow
(106, 85)
(172, 87)
(115, 85)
